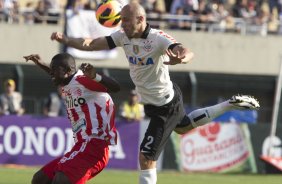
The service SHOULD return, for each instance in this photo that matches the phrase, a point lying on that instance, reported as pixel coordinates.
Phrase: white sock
(148, 176)
(205, 115)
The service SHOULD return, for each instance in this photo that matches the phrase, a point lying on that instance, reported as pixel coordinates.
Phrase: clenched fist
(88, 70)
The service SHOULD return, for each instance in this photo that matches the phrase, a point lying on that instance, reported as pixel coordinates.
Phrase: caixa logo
(74, 102)
(140, 61)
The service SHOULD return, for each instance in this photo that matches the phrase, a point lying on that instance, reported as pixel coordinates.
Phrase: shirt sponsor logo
(74, 102)
(140, 61)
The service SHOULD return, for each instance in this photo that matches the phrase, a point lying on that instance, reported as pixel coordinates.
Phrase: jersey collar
(146, 31)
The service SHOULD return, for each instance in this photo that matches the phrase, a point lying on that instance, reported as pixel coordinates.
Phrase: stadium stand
(240, 16)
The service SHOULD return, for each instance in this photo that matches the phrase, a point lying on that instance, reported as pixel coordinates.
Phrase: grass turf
(24, 175)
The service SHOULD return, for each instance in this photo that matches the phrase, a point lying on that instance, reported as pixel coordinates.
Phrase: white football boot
(244, 102)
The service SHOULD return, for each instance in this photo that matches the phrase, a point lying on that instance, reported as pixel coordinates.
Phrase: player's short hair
(136, 8)
(65, 60)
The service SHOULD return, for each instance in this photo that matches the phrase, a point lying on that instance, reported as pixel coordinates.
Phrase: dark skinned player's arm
(38, 61)
(111, 84)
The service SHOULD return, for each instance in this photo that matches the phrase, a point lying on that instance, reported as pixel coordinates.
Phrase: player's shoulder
(156, 31)
(79, 73)
(118, 33)
(162, 34)
(78, 76)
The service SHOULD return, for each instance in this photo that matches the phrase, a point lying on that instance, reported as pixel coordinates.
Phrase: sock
(205, 115)
(148, 176)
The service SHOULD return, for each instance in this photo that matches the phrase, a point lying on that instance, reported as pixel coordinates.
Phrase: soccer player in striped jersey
(149, 52)
(91, 112)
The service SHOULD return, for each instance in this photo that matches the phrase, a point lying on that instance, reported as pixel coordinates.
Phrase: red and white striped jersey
(90, 109)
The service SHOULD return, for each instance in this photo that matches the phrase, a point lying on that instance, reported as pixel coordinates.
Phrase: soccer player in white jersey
(91, 113)
(149, 52)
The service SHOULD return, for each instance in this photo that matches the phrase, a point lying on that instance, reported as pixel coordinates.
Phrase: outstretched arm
(86, 44)
(38, 61)
(179, 54)
(89, 71)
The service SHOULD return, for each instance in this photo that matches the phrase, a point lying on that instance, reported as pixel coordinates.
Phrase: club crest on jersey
(135, 49)
(148, 45)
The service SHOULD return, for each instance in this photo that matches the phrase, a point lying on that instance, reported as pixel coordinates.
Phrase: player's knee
(146, 163)
(40, 178)
(183, 130)
(180, 131)
(61, 178)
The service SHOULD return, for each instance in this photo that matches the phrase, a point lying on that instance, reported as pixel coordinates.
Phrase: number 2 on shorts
(150, 141)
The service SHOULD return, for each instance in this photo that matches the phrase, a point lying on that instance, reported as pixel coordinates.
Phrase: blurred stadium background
(238, 51)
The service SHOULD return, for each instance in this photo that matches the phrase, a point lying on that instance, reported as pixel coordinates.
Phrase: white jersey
(90, 109)
(147, 70)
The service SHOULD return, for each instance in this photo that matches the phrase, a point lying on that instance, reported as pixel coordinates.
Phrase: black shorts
(163, 121)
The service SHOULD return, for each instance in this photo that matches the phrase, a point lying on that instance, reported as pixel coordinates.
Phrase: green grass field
(23, 176)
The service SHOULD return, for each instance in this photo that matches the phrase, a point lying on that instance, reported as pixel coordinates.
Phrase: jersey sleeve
(91, 84)
(117, 38)
(165, 40)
